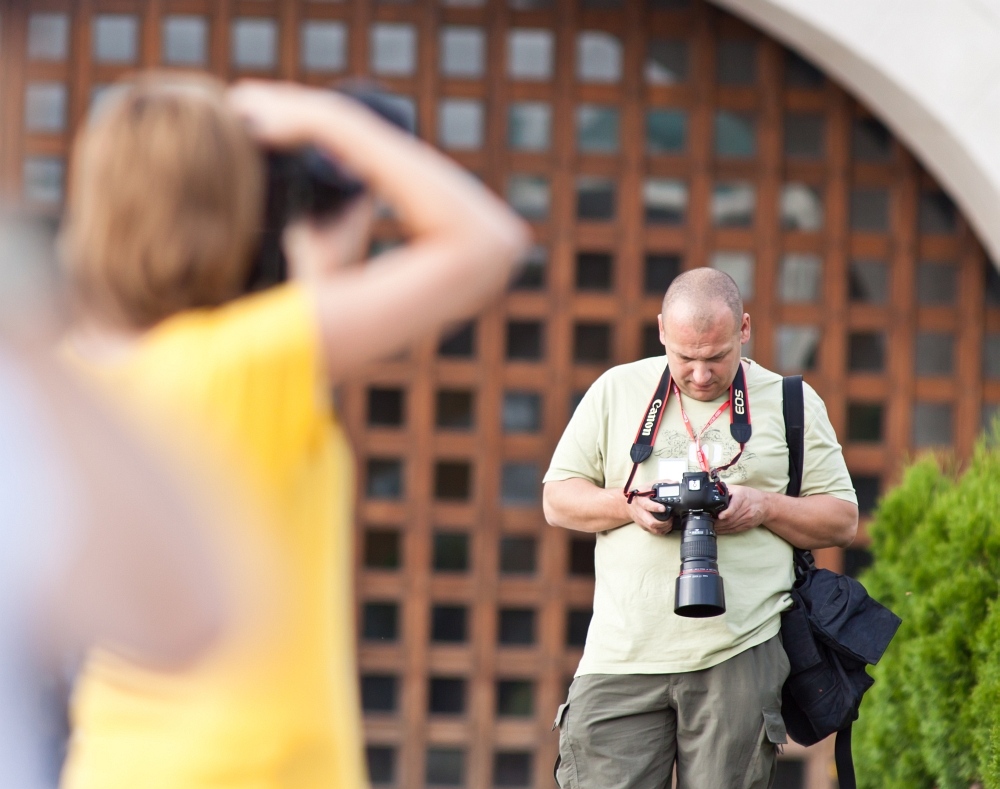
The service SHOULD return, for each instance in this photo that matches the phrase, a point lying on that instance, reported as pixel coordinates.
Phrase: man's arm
(819, 521)
(580, 505)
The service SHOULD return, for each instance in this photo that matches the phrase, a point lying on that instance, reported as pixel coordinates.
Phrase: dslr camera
(695, 502)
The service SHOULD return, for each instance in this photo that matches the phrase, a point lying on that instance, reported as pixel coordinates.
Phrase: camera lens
(699, 591)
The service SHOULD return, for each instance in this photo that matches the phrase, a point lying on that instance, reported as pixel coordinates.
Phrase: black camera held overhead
(694, 503)
(307, 183)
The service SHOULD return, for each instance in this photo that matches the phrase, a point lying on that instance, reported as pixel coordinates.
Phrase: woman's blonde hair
(165, 201)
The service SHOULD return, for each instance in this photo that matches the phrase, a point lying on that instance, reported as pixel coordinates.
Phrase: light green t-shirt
(634, 629)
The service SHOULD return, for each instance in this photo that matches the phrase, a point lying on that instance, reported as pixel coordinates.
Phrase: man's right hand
(641, 511)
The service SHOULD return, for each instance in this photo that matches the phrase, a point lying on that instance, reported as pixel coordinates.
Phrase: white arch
(929, 68)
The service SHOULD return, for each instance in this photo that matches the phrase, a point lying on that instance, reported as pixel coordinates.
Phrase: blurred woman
(165, 204)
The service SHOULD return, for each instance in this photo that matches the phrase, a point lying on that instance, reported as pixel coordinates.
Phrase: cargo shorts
(721, 727)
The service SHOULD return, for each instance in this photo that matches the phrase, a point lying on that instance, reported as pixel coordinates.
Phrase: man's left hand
(747, 509)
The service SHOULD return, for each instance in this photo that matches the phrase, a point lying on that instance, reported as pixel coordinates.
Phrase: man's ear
(744, 329)
(663, 337)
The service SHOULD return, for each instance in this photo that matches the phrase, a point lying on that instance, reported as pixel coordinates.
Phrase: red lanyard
(702, 460)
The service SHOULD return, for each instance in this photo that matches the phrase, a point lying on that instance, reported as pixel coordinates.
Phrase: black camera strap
(739, 423)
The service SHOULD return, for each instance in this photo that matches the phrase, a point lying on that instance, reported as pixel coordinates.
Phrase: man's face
(703, 350)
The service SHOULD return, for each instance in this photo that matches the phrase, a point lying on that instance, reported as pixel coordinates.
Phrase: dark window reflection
(520, 484)
(937, 213)
(866, 352)
(660, 270)
(384, 478)
(524, 340)
(449, 624)
(577, 624)
(804, 136)
(445, 766)
(382, 549)
(447, 696)
(515, 698)
(665, 201)
(522, 412)
(512, 769)
(870, 141)
(735, 134)
(935, 352)
(991, 284)
(736, 62)
(380, 621)
(454, 409)
(385, 407)
(868, 489)
(517, 627)
(937, 284)
(666, 61)
(991, 356)
(595, 198)
(856, 561)
(593, 271)
(518, 555)
(870, 210)
(651, 345)
(451, 552)
(864, 422)
(452, 480)
(581, 556)
(532, 276)
(932, 425)
(381, 764)
(591, 343)
(460, 344)
(800, 73)
(869, 282)
(378, 693)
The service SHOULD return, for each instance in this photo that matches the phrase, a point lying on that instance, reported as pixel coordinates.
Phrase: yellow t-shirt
(634, 629)
(243, 382)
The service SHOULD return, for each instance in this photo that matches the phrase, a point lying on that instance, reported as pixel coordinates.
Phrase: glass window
(520, 484)
(529, 195)
(447, 696)
(736, 62)
(532, 276)
(382, 549)
(185, 40)
(591, 343)
(991, 356)
(800, 73)
(393, 49)
(378, 693)
(597, 128)
(665, 201)
(870, 210)
(460, 344)
(451, 552)
(463, 3)
(934, 353)
(987, 421)
(801, 277)
(460, 124)
(577, 625)
(385, 407)
(669, 5)
(864, 422)
(856, 560)
(651, 345)
(452, 480)
(867, 488)
(515, 698)
(735, 135)
(991, 284)
(866, 352)
(798, 349)
(529, 126)
(48, 37)
(455, 409)
(666, 131)
(666, 61)
(385, 478)
(445, 767)
(529, 5)
(512, 768)
(593, 271)
(518, 555)
(733, 204)
(525, 341)
(324, 46)
(44, 178)
(601, 4)
(255, 44)
(598, 57)
(659, 271)
(801, 207)
(449, 624)
(115, 38)
(530, 54)
(804, 136)
(45, 107)
(869, 282)
(937, 284)
(463, 52)
(381, 764)
(522, 412)
(739, 266)
(870, 141)
(517, 627)
(595, 198)
(932, 425)
(581, 556)
(380, 622)
(937, 213)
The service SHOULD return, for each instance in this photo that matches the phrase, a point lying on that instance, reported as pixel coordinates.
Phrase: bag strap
(844, 759)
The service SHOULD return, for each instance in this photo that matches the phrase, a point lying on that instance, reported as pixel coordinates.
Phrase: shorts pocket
(564, 769)
(764, 762)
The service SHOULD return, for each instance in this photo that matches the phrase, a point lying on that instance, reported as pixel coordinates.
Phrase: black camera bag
(831, 632)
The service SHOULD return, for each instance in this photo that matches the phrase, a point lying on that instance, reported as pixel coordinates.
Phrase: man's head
(703, 328)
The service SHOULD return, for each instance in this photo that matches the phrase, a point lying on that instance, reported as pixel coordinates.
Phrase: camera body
(695, 502)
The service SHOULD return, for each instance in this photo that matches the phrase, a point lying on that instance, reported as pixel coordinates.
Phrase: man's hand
(748, 508)
(641, 511)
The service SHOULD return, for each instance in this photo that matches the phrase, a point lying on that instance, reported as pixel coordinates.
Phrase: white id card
(671, 469)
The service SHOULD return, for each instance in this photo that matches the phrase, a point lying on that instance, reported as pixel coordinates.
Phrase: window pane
(800, 73)
(593, 271)
(937, 284)
(515, 698)
(736, 62)
(870, 210)
(532, 276)
(48, 37)
(385, 407)
(449, 624)
(866, 352)
(520, 484)
(591, 343)
(856, 560)
(455, 408)
(932, 425)
(255, 44)
(524, 340)
(801, 277)
(869, 282)
(45, 107)
(529, 126)
(733, 204)
(393, 49)
(382, 549)
(597, 129)
(991, 284)
(529, 5)
(512, 769)
(577, 624)
(447, 696)
(666, 62)
(801, 207)
(735, 135)
(660, 271)
(867, 488)
(461, 344)
(991, 356)
(385, 478)
(529, 195)
(530, 54)
(666, 131)
(451, 552)
(598, 57)
(739, 266)
(937, 213)
(804, 136)
(664, 201)
(522, 412)
(445, 767)
(44, 179)
(651, 345)
(185, 40)
(517, 627)
(463, 52)
(381, 764)
(380, 621)
(116, 38)
(517, 555)
(798, 347)
(581, 556)
(864, 422)
(378, 693)
(460, 124)
(595, 198)
(452, 480)
(934, 353)
(870, 141)
(324, 46)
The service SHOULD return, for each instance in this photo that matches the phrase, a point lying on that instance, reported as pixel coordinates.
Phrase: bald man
(655, 690)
